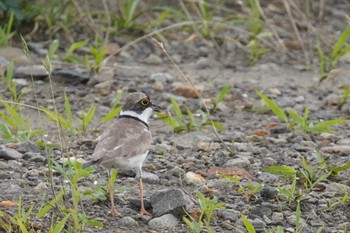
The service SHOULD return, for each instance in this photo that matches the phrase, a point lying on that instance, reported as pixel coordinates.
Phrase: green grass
(300, 122)
(67, 121)
(207, 208)
(328, 60)
(187, 122)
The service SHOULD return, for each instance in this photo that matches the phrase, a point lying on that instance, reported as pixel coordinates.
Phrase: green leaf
(222, 94)
(60, 225)
(50, 205)
(250, 228)
(68, 109)
(274, 107)
(176, 108)
(342, 167)
(94, 223)
(341, 42)
(21, 225)
(86, 120)
(280, 170)
(111, 114)
(301, 121)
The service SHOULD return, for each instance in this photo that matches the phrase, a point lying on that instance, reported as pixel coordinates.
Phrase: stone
(231, 215)
(193, 178)
(128, 223)
(277, 217)
(4, 165)
(153, 59)
(258, 224)
(38, 72)
(150, 178)
(238, 162)
(162, 77)
(9, 154)
(173, 201)
(73, 76)
(167, 221)
(184, 89)
(14, 54)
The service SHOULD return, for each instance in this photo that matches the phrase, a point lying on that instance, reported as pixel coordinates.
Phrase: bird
(126, 143)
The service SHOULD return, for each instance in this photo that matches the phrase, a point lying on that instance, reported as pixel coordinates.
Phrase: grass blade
(59, 226)
(280, 170)
(274, 107)
(176, 108)
(250, 228)
(222, 93)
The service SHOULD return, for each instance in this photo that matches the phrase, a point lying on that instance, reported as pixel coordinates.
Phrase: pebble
(162, 77)
(153, 59)
(68, 75)
(38, 72)
(193, 178)
(171, 200)
(203, 63)
(167, 221)
(230, 214)
(238, 162)
(4, 165)
(258, 224)
(128, 223)
(285, 101)
(241, 146)
(9, 154)
(150, 178)
(277, 217)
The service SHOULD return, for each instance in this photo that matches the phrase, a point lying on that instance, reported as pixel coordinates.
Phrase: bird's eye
(145, 102)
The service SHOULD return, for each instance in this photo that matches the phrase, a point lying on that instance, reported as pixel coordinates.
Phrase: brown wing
(124, 138)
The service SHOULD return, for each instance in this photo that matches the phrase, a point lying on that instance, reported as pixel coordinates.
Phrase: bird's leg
(111, 196)
(142, 211)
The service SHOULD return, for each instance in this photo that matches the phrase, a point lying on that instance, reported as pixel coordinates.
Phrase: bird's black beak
(155, 108)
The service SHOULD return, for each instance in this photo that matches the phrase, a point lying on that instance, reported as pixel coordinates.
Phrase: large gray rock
(167, 221)
(38, 72)
(173, 201)
(9, 153)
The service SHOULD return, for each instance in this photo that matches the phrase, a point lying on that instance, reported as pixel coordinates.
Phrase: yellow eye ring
(145, 102)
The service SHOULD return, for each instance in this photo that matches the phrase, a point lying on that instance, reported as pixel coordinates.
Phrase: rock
(238, 162)
(3, 165)
(72, 76)
(299, 99)
(150, 178)
(162, 77)
(38, 72)
(240, 146)
(21, 82)
(41, 187)
(128, 223)
(153, 59)
(261, 211)
(4, 175)
(167, 221)
(184, 89)
(258, 224)
(3, 63)
(172, 200)
(104, 88)
(193, 178)
(231, 215)
(285, 101)
(203, 63)
(177, 172)
(9, 154)
(14, 54)
(277, 217)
